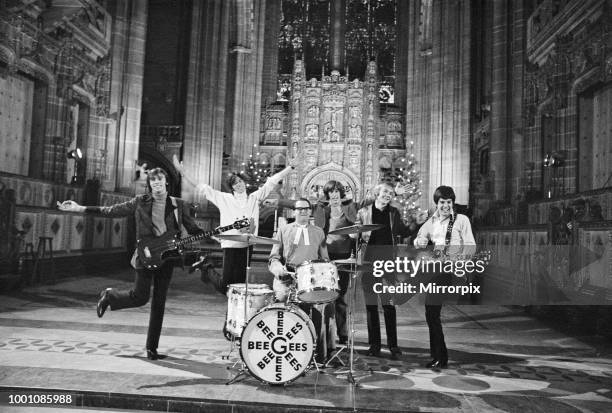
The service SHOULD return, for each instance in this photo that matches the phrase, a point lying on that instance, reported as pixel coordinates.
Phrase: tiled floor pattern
(501, 360)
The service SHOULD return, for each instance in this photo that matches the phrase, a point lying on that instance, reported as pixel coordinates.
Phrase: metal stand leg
(336, 356)
(243, 372)
(352, 294)
(231, 350)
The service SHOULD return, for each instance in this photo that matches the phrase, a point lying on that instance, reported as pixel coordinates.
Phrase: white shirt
(434, 229)
(233, 207)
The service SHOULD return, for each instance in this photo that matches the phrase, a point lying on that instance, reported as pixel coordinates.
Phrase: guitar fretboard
(203, 235)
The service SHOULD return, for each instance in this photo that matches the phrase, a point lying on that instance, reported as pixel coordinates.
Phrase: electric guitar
(154, 251)
(483, 257)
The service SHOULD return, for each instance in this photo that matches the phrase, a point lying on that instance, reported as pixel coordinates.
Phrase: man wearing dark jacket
(155, 214)
(380, 246)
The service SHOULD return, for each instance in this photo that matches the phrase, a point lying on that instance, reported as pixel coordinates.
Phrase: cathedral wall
(75, 76)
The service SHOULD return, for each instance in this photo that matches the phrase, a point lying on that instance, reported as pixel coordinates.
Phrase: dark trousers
(321, 315)
(433, 308)
(340, 303)
(139, 296)
(437, 346)
(373, 319)
(234, 266)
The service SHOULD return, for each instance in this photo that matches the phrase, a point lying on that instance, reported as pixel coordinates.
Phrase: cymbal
(248, 238)
(355, 229)
(350, 261)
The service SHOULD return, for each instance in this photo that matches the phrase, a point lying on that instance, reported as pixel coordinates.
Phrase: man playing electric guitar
(156, 214)
(451, 234)
(154, 251)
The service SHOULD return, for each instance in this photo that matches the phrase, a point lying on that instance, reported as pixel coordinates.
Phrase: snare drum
(317, 282)
(258, 296)
(278, 344)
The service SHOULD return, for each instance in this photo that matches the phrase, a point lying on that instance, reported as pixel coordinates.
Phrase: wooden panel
(602, 138)
(16, 95)
(99, 232)
(55, 226)
(118, 232)
(76, 232)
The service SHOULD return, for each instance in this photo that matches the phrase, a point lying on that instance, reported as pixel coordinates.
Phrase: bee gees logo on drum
(278, 345)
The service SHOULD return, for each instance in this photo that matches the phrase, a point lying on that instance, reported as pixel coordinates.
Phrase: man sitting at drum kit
(332, 212)
(301, 242)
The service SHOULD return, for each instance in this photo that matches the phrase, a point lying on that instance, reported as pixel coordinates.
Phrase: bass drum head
(278, 344)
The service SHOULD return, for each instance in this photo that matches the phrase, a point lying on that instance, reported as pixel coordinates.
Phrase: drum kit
(278, 340)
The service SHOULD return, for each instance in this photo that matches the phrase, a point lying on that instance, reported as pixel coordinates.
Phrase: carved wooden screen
(16, 96)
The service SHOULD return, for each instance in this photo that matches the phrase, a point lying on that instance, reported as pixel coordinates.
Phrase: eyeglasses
(302, 208)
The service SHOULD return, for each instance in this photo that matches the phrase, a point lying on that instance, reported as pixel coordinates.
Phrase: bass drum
(278, 344)
(257, 297)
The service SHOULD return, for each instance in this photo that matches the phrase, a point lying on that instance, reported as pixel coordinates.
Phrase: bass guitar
(154, 251)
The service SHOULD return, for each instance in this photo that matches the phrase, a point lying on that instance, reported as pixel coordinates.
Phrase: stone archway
(318, 177)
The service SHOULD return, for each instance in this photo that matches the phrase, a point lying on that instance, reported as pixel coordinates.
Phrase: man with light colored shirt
(452, 234)
(232, 207)
(299, 242)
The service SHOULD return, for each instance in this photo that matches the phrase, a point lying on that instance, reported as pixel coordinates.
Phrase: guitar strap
(449, 231)
(176, 215)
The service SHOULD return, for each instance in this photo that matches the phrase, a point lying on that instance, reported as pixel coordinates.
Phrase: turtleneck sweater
(158, 214)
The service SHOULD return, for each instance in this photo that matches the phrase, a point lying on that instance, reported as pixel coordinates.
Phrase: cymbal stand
(352, 294)
(243, 371)
(293, 299)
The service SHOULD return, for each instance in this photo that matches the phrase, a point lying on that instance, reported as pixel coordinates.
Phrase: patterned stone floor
(501, 360)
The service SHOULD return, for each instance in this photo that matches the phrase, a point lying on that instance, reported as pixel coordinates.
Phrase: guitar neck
(203, 235)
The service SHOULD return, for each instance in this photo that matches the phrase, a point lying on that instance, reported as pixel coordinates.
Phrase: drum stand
(352, 295)
(231, 350)
(351, 290)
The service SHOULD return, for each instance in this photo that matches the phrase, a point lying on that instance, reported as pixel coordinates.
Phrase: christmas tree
(405, 173)
(254, 172)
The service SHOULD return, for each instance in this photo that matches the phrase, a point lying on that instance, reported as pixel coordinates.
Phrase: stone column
(500, 103)
(270, 61)
(437, 104)
(518, 156)
(206, 94)
(336, 36)
(128, 38)
(407, 28)
(245, 82)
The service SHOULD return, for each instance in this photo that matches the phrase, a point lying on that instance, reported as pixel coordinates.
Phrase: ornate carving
(312, 132)
(355, 133)
(313, 111)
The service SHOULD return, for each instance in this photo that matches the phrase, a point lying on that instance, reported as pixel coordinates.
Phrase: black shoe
(437, 364)
(343, 340)
(103, 303)
(154, 355)
(373, 351)
(395, 353)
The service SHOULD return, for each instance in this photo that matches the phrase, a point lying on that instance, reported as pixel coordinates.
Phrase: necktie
(301, 230)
